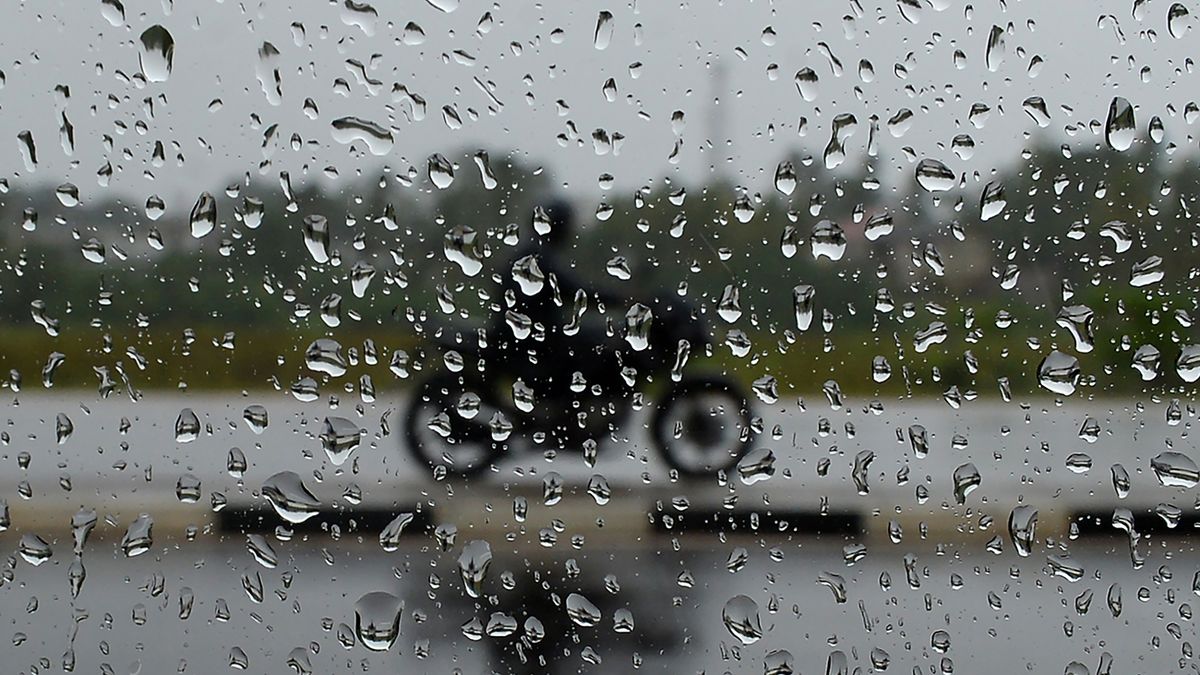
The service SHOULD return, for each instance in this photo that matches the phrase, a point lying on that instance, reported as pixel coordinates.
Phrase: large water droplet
(806, 83)
(325, 356)
(638, 321)
(340, 437)
(33, 549)
(994, 56)
(441, 172)
(581, 610)
(267, 71)
(966, 479)
(934, 176)
(1059, 373)
(473, 565)
(992, 201)
(756, 466)
(379, 141)
(389, 537)
(1077, 319)
(187, 426)
(1119, 128)
(785, 177)
(203, 218)
(740, 616)
(828, 241)
(82, 524)
(1178, 20)
(157, 53)
(377, 620)
(1187, 365)
(256, 418)
(316, 237)
(1146, 272)
(1022, 523)
(802, 302)
(139, 536)
(113, 12)
(604, 30)
(361, 15)
(1175, 469)
(291, 499)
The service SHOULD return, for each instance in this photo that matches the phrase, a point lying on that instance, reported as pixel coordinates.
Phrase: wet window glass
(572, 337)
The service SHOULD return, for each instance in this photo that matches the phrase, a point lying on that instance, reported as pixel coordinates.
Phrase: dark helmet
(562, 222)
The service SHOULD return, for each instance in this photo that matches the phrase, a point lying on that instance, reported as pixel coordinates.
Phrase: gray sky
(44, 44)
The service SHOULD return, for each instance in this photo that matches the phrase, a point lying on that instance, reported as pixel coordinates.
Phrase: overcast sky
(216, 57)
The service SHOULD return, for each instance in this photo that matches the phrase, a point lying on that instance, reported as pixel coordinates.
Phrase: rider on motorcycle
(544, 295)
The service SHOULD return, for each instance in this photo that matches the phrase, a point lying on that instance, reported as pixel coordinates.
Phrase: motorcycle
(495, 391)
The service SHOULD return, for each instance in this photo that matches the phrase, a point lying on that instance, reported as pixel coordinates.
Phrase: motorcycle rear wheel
(701, 425)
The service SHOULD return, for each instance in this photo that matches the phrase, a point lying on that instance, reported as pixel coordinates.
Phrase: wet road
(1037, 613)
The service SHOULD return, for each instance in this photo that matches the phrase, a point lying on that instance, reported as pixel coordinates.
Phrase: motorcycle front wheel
(438, 434)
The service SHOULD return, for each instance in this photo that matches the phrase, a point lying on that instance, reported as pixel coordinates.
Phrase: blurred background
(945, 251)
